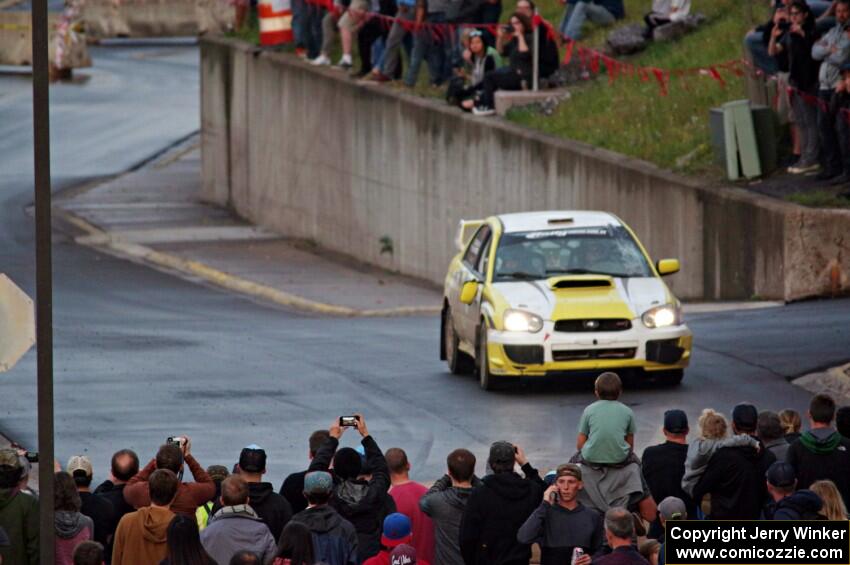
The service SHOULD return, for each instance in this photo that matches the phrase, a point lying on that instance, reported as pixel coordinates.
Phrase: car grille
(601, 325)
(525, 354)
(585, 354)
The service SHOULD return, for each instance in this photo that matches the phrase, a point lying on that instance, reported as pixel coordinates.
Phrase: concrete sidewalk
(153, 215)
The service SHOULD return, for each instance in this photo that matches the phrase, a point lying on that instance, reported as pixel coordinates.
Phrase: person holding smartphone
(561, 524)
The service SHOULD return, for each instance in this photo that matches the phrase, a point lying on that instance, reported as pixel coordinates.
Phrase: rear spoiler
(465, 230)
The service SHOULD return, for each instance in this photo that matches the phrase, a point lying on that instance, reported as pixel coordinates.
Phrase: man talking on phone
(566, 531)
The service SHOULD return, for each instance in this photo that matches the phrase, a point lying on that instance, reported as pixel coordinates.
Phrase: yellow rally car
(550, 293)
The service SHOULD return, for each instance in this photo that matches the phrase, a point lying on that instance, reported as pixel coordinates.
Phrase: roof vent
(561, 220)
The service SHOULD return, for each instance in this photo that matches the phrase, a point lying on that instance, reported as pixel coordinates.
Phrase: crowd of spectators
(461, 41)
(350, 506)
(806, 46)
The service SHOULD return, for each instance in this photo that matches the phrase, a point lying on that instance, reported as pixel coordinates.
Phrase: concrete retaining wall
(156, 18)
(16, 42)
(311, 154)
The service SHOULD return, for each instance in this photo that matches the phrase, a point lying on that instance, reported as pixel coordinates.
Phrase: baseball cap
(252, 459)
(781, 474)
(672, 508)
(403, 555)
(318, 482)
(9, 458)
(745, 417)
(502, 452)
(675, 421)
(568, 470)
(79, 463)
(396, 530)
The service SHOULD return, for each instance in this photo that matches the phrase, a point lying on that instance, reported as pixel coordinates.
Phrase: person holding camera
(793, 39)
(18, 513)
(514, 41)
(566, 531)
(498, 508)
(172, 456)
(362, 501)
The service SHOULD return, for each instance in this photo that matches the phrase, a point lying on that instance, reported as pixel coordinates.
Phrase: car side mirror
(468, 292)
(667, 267)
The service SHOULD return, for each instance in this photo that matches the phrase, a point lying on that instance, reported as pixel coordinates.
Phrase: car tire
(670, 378)
(486, 380)
(459, 362)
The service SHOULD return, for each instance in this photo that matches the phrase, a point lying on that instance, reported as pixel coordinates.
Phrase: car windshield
(608, 250)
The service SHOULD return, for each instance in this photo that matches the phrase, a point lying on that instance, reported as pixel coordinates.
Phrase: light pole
(44, 273)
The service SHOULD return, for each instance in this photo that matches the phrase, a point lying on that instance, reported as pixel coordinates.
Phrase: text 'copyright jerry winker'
(757, 542)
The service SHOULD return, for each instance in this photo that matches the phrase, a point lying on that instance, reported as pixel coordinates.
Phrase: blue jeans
(436, 51)
(754, 45)
(576, 14)
(310, 28)
(298, 7)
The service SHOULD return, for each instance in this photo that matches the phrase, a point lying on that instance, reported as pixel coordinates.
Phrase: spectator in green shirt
(606, 431)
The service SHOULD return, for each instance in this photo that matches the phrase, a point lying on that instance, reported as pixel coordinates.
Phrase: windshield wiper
(519, 275)
(588, 272)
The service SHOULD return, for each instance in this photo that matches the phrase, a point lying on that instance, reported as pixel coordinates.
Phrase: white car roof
(535, 221)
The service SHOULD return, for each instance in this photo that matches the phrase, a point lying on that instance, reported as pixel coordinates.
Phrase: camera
(32, 456)
(349, 421)
(507, 28)
(784, 25)
(176, 440)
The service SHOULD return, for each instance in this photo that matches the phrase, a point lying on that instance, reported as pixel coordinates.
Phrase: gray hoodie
(69, 524)
(700, 452)
(234, 528)
(445, 504)
(822, 51)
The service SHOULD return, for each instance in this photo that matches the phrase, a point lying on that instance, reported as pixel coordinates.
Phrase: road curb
(834, 381)
(96, 238)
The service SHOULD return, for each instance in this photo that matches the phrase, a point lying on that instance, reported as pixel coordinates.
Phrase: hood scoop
(580, 281)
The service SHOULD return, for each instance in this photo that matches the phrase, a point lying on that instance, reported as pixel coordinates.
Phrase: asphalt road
(141, 355)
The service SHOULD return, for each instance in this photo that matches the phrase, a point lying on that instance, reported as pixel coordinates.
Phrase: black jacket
(559, 531)
(100, 510)
(802, 69)
(822, 454)
(292, 490)
(114, 494)
(800, 505)
(271, 507)
(334, 538)
(494, 514)
(363, 503)
(663, 467)
(735, 479)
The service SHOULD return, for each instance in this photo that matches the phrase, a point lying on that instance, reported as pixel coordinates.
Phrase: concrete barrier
(311, 154)
(16, 42)
(156, 18)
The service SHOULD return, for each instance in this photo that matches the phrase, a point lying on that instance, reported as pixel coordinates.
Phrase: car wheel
(459, 362)
(670, 378)
(485, 379)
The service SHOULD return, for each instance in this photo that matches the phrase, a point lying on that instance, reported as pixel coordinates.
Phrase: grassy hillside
(631, 117)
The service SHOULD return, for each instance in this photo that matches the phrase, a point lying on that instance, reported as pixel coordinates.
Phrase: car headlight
(519, 321)
(662, 316)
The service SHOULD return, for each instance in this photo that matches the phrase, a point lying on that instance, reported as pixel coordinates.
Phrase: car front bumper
(548, 352)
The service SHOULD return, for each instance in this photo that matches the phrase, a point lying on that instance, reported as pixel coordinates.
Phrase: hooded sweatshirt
(559, 530)
(363, 503)
(445, 505)
(19, 518)
(735, 479)
(141, 536)
(800, 505)
(71, 529)
(334, 538)
(234, 528)
(819, 454)
(494, 514)
(273, 509)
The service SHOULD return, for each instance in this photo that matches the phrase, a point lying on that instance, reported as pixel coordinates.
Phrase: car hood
(622, 298)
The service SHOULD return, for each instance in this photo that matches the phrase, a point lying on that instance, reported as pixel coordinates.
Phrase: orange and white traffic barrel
(275, 22)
